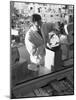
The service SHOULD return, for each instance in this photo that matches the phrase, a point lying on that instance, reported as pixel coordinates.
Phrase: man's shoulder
(30, 30)
(29, 33)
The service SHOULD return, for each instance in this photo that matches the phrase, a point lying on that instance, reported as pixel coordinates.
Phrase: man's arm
(65, 28)
(31, 48)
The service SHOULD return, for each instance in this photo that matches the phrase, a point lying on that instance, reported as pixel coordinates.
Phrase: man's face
(38, 24)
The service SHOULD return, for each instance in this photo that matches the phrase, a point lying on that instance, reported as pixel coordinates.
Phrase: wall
(49, 12)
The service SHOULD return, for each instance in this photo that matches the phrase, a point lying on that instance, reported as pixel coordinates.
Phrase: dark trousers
(58, 64)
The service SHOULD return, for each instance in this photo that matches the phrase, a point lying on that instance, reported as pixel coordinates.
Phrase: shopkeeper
(35, 43)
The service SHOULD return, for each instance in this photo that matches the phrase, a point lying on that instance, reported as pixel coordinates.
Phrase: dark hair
(35, 17)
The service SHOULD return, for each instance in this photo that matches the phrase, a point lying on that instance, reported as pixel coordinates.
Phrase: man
(54, 61)
(64, 38)
(35, 43)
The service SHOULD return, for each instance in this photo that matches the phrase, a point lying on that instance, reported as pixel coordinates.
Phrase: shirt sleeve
(65, 28)
(31, 48)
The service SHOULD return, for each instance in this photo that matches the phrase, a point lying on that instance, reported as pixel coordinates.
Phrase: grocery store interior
(62, 82)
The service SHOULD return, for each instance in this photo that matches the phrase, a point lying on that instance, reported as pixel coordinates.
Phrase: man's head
(36, 20)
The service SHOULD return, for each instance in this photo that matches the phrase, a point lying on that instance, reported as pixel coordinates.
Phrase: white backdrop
(5, 48)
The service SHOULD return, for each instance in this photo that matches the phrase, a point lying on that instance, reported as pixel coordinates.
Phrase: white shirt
(35, 46)
(65, 28)
(54, 40)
